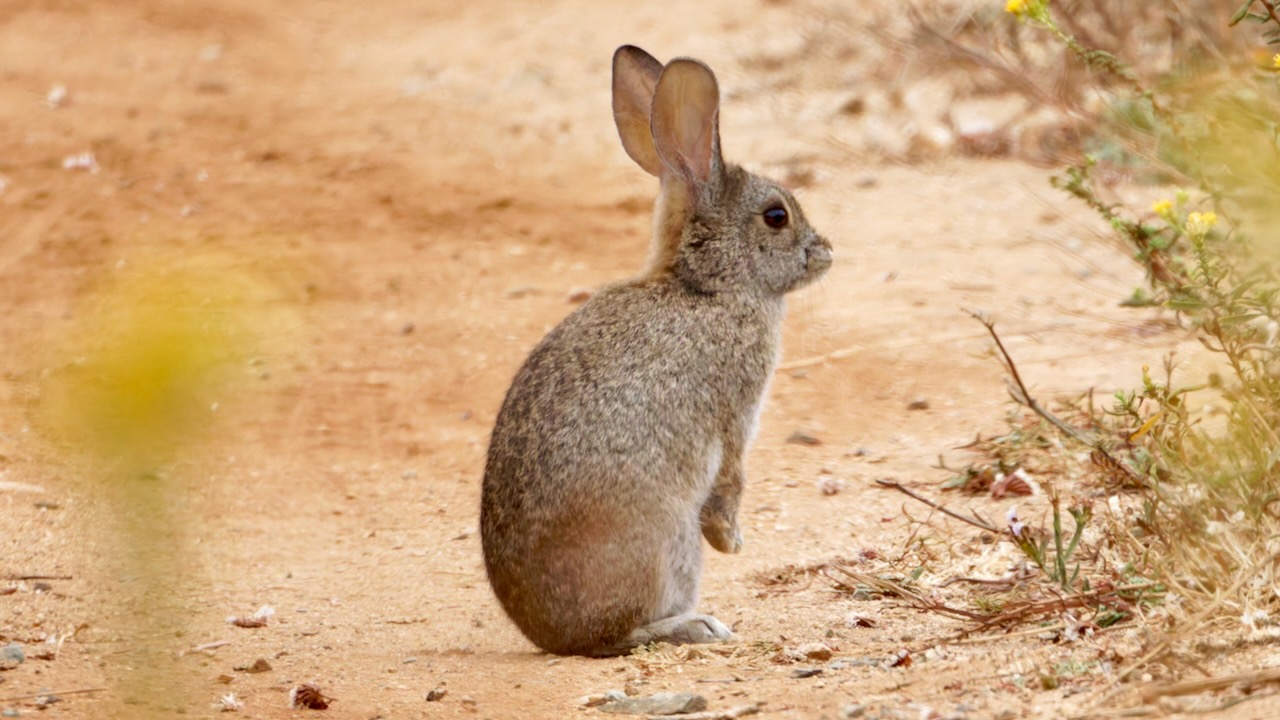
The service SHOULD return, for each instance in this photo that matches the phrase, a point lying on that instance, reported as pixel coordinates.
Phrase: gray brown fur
(622, 437)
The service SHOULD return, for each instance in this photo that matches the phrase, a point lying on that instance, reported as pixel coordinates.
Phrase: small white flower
(1015, 525)
(1074, 629)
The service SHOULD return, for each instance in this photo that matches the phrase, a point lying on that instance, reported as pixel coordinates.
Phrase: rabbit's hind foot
(683, 629)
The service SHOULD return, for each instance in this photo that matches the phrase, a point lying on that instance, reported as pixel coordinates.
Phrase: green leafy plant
(1055, 561)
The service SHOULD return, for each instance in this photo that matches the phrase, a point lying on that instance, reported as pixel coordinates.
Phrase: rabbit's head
(717, 227)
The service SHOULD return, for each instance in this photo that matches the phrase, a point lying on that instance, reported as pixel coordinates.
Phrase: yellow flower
(1033, 10)
(1275, 61)
(1163, 208)
(1199, 224)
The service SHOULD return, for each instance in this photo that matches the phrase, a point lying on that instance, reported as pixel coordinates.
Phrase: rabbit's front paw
(722, 533)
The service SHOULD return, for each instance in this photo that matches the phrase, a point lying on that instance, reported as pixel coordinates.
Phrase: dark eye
(775, 217)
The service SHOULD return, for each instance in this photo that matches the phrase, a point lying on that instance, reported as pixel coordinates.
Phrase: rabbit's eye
(776, 217)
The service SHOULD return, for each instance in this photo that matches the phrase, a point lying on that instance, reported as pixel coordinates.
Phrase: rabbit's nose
(819, 256)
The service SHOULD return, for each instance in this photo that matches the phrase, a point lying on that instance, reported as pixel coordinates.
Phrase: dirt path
(414, 190)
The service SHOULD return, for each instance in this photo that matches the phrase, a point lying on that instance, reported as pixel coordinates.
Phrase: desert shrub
(1199, 464)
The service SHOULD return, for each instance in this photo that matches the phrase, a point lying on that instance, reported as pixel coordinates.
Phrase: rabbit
(622, 437)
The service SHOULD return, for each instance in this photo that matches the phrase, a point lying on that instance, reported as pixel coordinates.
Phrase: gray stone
(657, 704)
(12, 655)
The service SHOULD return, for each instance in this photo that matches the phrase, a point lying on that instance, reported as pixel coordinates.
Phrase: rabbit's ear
(635, 75)
(685, 125)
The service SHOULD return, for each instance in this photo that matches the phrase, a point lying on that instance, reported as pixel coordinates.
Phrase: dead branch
(895, 485)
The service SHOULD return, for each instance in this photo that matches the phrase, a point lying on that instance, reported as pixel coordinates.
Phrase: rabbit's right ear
(635, 76)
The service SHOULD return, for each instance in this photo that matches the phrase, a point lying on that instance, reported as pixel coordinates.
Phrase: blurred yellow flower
(1275, 61)
(1199, 224)
(1163, 208)
(1033, 10)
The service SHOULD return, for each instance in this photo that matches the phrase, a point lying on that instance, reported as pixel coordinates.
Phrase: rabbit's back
(641, 378)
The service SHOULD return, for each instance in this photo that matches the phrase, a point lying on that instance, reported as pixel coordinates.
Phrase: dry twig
(1021, 394)
(974, 521)
(59, 693)
(1248, 680)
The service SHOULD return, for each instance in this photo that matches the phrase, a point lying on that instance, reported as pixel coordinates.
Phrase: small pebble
(800, 437)
(633, 687)
(918, 404)
(12, 654)
(516, 293)
(853, 662)
(815, 651)
(598, 699)
(57, 96)
(308, 696)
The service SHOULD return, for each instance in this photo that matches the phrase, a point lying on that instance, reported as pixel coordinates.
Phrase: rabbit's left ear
(685, 123)
(635, 75)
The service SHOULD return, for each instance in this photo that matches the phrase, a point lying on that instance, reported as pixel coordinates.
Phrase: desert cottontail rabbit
(622, 436)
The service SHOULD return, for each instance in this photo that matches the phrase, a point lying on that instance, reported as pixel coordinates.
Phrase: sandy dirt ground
(413, 191)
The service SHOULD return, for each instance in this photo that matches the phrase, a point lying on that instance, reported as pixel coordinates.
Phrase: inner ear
(685, 123)
(635, 77)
